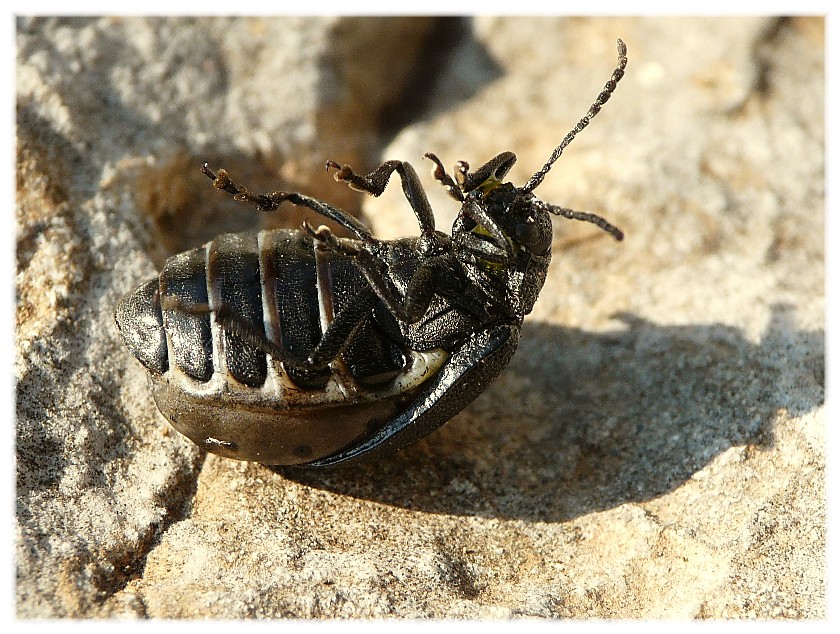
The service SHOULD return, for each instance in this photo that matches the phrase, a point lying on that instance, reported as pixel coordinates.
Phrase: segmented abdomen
(279, 282)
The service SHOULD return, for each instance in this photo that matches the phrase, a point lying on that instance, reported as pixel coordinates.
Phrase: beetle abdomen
(234, 399)
(277, 281)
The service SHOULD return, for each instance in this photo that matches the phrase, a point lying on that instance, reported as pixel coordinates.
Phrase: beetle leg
(496, 168)
(330, 241)
(480, 216)
(340, 333)
(419, 291)
(231, 323)
(333, 342)
(250, 334)
(445, 179)
(375, 182)
(270, 202)
(418, 294)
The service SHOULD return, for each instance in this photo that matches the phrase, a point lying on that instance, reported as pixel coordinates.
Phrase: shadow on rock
(582, 422)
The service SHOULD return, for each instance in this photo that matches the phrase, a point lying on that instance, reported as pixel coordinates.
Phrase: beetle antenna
(586, 216)
(594, 109)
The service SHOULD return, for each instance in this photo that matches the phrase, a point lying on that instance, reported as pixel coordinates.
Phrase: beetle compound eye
(534, 235)
(526, 233)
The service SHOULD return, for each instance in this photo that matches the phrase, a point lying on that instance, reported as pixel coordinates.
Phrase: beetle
(299, 347)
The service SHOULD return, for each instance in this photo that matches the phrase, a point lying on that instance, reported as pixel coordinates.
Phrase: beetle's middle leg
(419, 291)
(375, 182)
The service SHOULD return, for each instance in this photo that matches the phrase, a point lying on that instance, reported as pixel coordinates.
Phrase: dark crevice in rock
(764, 54)
(432, 57)
(130, 565)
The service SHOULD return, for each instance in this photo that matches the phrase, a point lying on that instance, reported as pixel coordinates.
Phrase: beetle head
(503, 238)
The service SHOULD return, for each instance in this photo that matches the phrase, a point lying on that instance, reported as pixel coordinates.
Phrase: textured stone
(656, 448)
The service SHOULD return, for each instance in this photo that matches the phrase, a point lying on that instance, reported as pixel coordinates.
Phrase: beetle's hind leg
(375, 182)
(333, 342)
(271, 201)
(231, 323)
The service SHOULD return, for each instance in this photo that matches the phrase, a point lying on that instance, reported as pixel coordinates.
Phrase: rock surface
(656, 448)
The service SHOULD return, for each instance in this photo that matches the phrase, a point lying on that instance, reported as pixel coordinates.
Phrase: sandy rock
(656, 448)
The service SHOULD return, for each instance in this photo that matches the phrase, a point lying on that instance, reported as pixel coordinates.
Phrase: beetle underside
(303, 348)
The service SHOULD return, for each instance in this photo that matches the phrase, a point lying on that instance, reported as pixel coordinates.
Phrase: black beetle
(303, 348)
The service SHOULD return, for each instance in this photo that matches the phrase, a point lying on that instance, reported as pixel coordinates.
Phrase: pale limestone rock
(655, 449)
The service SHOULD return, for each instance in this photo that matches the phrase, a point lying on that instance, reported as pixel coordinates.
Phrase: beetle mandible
(298, 347)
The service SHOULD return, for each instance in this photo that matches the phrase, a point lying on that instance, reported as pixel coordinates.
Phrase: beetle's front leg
(496, 168)
(440, 175)
(375, 182)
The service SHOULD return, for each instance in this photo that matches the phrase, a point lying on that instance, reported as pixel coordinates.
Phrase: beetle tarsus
(445, 179)
(373, 183)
